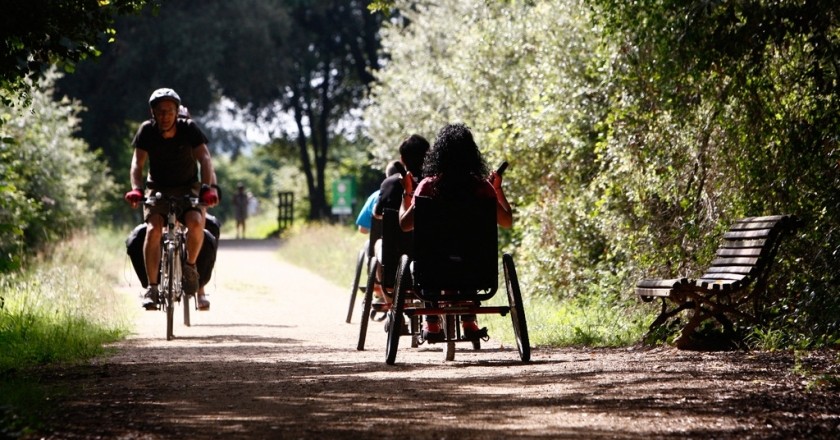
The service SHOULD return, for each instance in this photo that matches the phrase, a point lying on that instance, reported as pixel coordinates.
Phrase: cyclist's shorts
(162, 207)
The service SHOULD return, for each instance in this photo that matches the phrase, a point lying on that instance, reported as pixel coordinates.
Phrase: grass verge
(55, 311)
(331, 250)
(326, 249)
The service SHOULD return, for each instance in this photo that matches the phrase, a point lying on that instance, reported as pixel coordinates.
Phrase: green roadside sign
(343, 196)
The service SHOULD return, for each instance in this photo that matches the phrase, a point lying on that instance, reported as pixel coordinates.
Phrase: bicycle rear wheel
(169, 291)
(179, 291)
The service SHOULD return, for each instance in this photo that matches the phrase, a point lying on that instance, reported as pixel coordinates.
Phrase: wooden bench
(736, 278)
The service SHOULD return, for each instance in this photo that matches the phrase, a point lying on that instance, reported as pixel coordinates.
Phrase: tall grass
(331, 251)
(60, 307)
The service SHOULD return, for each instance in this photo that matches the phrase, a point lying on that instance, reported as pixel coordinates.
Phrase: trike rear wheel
(517, 310)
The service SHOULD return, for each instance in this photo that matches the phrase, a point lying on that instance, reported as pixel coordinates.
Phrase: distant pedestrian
(240, 204)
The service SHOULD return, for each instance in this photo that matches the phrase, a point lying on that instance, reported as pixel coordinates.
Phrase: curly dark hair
(455, 160)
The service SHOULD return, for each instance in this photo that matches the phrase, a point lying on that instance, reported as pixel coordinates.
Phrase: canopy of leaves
(36, 34)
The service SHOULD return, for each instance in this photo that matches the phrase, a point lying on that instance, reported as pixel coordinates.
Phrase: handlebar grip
(502, 168)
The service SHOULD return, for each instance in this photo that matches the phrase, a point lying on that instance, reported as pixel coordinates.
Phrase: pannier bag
(206, 256)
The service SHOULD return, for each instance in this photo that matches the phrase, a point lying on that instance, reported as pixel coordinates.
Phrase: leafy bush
(50, 183)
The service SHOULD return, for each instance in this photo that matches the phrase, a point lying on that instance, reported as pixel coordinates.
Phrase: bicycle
(173, 257)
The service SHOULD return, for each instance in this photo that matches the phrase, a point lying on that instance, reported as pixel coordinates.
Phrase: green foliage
(38, 34)
(51, 183)
(753, 88)
(637, 132)
(524, 77)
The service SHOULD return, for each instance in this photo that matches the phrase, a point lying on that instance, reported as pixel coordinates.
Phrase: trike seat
(455, 248)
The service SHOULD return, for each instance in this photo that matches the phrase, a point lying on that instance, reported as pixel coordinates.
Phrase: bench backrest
(395, 243)
(747, 251)
(455, 245)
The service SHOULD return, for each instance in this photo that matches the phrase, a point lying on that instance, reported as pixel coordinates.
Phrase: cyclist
(179, 165)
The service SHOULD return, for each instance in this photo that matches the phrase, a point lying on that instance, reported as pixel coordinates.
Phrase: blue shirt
(365, 218)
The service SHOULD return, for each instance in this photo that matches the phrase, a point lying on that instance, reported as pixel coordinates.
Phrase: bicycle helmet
(163, 94)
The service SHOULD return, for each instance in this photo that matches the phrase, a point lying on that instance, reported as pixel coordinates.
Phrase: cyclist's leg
(151, 258)
(194, 221)
(151, 247)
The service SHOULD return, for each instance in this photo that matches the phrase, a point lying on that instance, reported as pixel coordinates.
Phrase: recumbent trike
(453, 268)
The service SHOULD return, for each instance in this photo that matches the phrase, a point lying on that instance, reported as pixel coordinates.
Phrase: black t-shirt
(390, 193)
(171, 161)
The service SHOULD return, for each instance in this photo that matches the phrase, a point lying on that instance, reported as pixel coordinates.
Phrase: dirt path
(274, 359)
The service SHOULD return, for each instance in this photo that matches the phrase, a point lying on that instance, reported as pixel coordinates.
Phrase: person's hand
(408, 183)
(134, 197)
(496, 181)
(209, 196)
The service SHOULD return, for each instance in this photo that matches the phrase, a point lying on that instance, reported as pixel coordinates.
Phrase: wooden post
(285, 208)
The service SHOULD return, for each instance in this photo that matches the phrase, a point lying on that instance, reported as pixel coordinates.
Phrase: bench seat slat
(766, 218)
(662, 284)
(757, 224)
(724, 276)
(646, 292)
(745, 270)
(739, 244)
(748, 234)
(739, 252)
(736, 261)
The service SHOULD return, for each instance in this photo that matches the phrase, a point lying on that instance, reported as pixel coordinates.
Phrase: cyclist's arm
(137, 162)
(208, 174)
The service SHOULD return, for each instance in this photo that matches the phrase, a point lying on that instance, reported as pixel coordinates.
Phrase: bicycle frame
(173, 257)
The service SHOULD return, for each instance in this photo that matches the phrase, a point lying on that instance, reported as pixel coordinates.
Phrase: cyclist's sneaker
(150, 299)
(472, 332)
(432, 332)
(190, 279)
(201, 302)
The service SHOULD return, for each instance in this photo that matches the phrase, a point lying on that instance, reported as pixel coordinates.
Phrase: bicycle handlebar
(156, 197)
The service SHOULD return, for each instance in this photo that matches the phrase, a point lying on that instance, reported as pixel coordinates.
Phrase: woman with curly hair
(454, 169)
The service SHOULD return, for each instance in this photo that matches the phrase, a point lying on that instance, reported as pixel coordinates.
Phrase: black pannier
(204, 263)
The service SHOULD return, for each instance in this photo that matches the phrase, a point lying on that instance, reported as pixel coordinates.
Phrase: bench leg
(666, 314)
(687, 339)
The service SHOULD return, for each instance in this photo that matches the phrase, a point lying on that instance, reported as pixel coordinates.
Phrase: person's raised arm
(504, 214)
